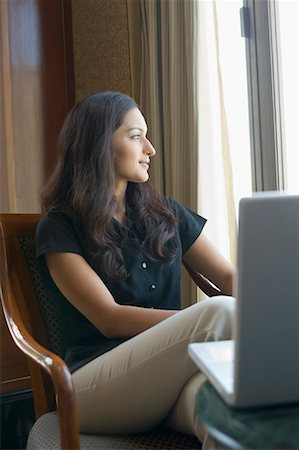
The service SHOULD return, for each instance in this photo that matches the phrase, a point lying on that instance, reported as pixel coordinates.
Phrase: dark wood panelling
(57, 78)
(36, 92)
(14, 370)
(38, 83)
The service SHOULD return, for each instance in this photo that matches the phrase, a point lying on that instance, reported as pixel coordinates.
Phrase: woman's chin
(141, 179)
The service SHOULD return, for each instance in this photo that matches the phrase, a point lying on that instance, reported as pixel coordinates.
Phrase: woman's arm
(85, 290)
(203, 257)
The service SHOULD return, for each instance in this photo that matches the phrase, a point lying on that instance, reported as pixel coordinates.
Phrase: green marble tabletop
(275, 427)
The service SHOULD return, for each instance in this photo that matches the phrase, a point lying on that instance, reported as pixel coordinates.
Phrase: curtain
(168, 99)
(215, 175)
(176, 77)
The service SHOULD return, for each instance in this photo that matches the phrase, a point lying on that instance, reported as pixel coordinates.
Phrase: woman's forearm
(128, 321)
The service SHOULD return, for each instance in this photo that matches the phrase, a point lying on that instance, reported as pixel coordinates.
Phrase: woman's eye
(135, 136)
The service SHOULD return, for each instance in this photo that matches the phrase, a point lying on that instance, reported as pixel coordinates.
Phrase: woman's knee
(215, 317)
(223, 303)
(222, 310)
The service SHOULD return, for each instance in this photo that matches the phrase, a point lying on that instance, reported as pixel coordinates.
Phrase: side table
(275, 427)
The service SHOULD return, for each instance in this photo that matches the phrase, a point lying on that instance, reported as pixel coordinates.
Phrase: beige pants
(150, 378)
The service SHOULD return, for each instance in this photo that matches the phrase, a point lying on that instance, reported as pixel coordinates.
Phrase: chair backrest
(50, 310)
(20, 279)
(25, 298)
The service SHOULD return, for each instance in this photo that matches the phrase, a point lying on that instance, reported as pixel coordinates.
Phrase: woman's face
(132, 150)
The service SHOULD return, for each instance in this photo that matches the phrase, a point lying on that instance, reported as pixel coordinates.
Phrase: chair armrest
(60, 377)
(203, 283)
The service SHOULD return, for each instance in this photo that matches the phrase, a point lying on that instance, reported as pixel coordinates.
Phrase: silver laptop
(260, 366)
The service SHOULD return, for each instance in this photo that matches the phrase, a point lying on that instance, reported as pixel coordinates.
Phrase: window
(233, 63)
(248, 107)
(287, 17)
(224, 140)
(271, 29)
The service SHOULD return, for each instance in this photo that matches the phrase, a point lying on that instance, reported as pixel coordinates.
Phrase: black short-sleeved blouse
(149, 284)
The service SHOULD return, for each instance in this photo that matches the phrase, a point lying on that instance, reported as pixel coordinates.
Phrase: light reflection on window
(288, 19)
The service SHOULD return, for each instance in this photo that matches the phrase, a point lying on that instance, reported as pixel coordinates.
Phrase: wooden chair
(35, 322)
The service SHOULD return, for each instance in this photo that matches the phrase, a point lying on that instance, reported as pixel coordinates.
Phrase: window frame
(259, 21)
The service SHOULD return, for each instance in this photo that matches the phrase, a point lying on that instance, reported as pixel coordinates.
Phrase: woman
(111, 249)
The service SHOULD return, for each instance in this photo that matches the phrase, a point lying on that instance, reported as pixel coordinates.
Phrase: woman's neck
(120, 214)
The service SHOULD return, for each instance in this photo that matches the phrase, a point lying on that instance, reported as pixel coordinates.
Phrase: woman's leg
(184, 416)
(133, 387)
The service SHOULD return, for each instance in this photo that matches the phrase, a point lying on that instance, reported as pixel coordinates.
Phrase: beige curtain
(177, 79)
(165, 76)
(215, 174)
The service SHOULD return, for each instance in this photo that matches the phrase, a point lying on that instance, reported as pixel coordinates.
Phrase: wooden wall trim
(68, 51)
(135, 44)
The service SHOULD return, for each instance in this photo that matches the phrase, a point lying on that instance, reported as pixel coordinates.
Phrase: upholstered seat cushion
(45, 436)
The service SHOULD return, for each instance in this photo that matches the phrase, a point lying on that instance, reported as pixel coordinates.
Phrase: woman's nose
(150, 149)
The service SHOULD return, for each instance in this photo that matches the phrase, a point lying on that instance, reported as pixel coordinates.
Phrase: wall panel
(37, 90)
(101, 46)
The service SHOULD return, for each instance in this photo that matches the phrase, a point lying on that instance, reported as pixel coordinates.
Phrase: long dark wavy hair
(84, 180)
